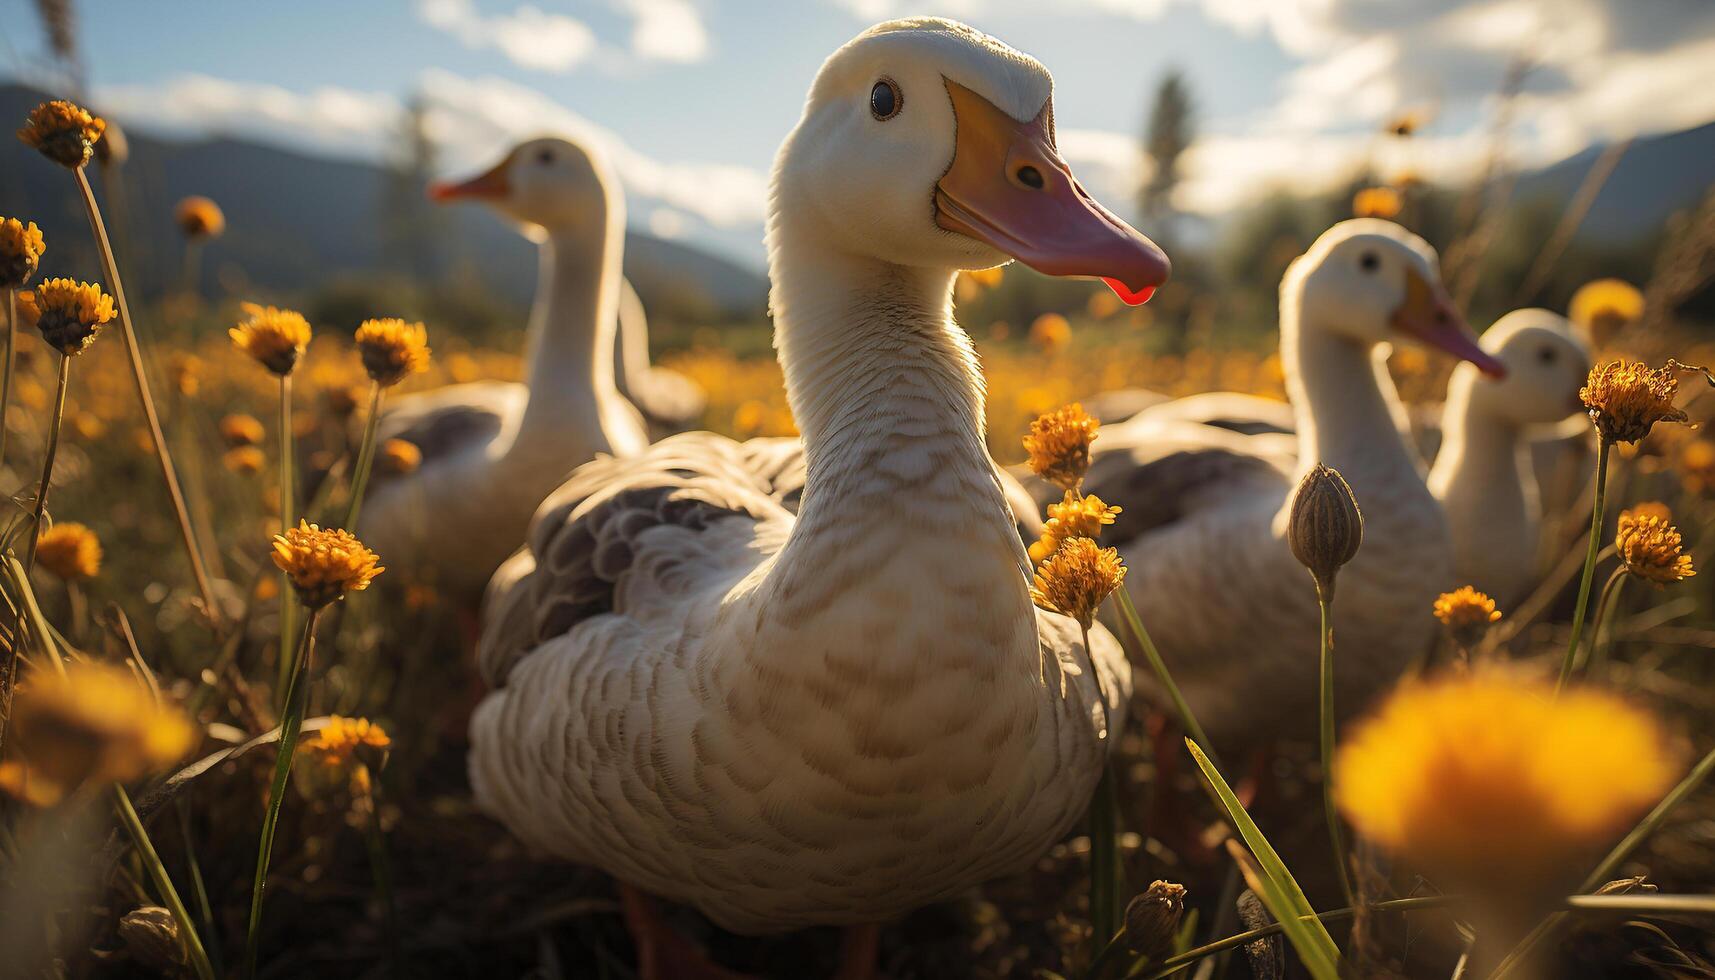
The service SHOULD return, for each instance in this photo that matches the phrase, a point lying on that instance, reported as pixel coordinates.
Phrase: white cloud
(528, 36)
(336, 121)
(667, 30)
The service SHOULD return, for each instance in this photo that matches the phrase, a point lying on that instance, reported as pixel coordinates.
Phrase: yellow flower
(1466, 613)
(1651, 547)
(343, 738)
(1649, 508)
(1050, 332)
(400, 456)
(987, 278)
(1493, 781)
(1376, 202)
(21, 247)
(392, 348)
(324, 565)
(1073, 517)
(199, 217)
(1059, 445)
(93, 725)
(244, 460)
(1605, 307)
(1627, 398)
(241, 430)
(273, 336)
(1697, 465)
(1077, 578)
(64, 131)
(187, 374)
(70, 551)
(69, 313)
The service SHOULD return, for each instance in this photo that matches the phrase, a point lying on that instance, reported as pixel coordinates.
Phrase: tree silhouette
(1167, 134)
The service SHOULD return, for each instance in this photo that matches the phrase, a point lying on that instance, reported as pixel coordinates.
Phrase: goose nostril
(1030, 177)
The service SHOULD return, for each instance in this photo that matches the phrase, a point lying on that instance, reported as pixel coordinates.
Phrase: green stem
(48, 462)
(1173, 964)
(162, 455)
(163, 882)
(365, 459)
(382, 868)
(1595, 546)
(6, 369)
(1128, 612)
(288, 517)
(1336, 836)
(199, 888)
(1610, 594)
(290, 725)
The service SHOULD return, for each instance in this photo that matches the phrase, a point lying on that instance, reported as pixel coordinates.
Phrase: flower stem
(48, 462)
(1591, 656)
(290, 725)
(288, 517)
(163, 882)
(365, 459)
(1128, 612)
(162, 454)
(382, 868)
(11, 356)
(1595, 546)
(1104, 843)
(1336, 836)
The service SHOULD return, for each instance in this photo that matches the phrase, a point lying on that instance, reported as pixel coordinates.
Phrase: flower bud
(151, 936)
(1152, 920)
(1325, 527)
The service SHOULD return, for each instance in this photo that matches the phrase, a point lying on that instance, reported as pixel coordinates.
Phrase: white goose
(1482, 474)
(1232, 611)
(668, 401)
(838, 717)
(493, 450)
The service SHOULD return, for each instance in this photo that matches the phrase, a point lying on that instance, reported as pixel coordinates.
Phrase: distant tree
(411, 226)
(1167, 135)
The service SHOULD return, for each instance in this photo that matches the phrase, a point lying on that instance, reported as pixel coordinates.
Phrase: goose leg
(859, 946)
(663, 954)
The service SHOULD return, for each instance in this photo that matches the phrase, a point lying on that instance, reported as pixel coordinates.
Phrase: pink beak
(1427, 313)
(1008, 186)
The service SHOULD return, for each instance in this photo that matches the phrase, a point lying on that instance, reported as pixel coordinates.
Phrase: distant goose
(669, 401)
(492, 450)
(837, 717)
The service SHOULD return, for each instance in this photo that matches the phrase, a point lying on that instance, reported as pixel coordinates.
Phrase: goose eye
(1369, 262)
(885, 99)
(1545, 355)
(544, 156)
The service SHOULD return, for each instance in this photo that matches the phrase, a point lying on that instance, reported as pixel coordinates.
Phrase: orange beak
(1008, 186)
(488, 186)
(1428, 314)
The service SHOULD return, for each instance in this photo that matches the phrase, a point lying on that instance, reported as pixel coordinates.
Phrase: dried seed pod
(1325, 527)
(1152, 920)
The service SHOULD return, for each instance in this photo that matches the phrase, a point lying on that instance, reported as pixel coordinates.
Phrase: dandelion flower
(63, 131)
(1050, 332)
(1077, 578)
(1651, 547)
(199, 218)
(272, 336)
(392, 349)
(1627, 398)
(324, 565)
(1377, 202)
(1059, 445)
(69, 551)
(1466, 613)
(69, 313)
(1605, 307)
(400, 456)
(91, 726)
(241, 430)
(21, 247)
(244, 460)
(1073, 517)
(1493, 781)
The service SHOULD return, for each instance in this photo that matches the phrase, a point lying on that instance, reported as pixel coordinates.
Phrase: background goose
(492, 451)
(837, 717)
(1231, 609)
(668, 401)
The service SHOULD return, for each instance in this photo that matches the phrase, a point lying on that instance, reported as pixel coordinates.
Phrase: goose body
(668, 401)
(843, 714)
(1203, 530)
(492, 451)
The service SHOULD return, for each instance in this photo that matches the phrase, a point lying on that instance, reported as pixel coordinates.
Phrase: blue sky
(692, 96)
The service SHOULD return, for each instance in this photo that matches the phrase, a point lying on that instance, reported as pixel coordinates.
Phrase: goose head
(547, 183)
(925, 143)
(1546, 364)
(1373, 282)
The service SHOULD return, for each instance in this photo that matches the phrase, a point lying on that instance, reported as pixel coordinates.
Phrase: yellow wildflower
(392, 348)
(241, 430)
(1077, 578)
(1050, 332)
(324, 565)
(21, 247)
(69, 313)
(1073, 517)
(1059, 445)
(91, 726)
(273, 336)
(399, 456)
(1466, 613)
(1493, 781)
(1627, 398)
(187, 374)
(244, 460)
(64, 131)
(70, 551)
(343, 738)
(1376, 202)
(1605, 307)
(199, 217)
(1651, 547)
